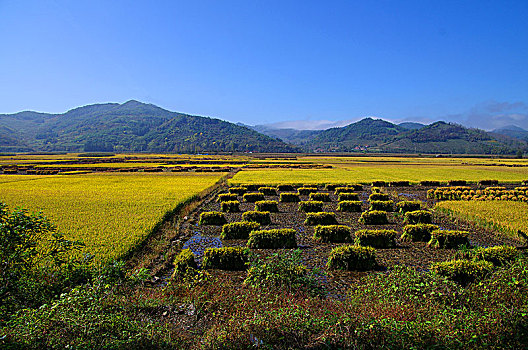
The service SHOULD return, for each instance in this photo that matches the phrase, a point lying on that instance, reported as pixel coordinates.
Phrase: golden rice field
(110, 213)
(367, 173)
(504, 216)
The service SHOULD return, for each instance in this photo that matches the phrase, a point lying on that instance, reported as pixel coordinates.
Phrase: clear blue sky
(270, 61)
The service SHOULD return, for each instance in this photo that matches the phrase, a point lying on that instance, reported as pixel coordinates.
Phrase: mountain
(289, 135)
(132, 126)
(411, 125)
(512, 131)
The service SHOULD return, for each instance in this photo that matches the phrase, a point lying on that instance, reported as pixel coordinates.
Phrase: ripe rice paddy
(110, 213)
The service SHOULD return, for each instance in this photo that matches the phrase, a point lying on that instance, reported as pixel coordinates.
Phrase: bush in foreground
(305, 191)
(230, 206)
(382, 205)
(463, 271)
(184, 264)
(271, 206)
(348, 196)
(238, 190)
(272, 239)
(238, 230)
(226, 258)
(268, 191)
(498, 255)
(253, 197)
(376, 238)
(418, 217)
(310, 206)
(285, 187)
(379, 197)
(332, 233)
(352, 258)
(289, 197)
(374, 217)
(227, 197)
(406, 206)
(321, 218)
(322, 197)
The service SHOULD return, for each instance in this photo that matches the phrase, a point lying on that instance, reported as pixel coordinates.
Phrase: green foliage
(321, 218)
(310, 206)
(350, 257)
(349, 206)
(184, 264)
(212, 218)
(382, 205)
(405, 206)
(285, 187)
(289, 197)
(332, 233)
(272, 239)
(253, 197)
(230, 206)
(374, 217)
(348, 196)
(271, 206)
(305, 191)
(322, 197)
(226, 258)
(379, 197)
(30, 248)
(238, 190)
(227, 197)
(448, 239)
(418, 217)
(238, 230)
(418, 232)
(463, 271)
(261, 217)
(268, 191)
(376, 238)
(283, 271)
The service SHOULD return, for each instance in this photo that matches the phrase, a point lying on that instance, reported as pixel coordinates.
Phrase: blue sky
(257, 62)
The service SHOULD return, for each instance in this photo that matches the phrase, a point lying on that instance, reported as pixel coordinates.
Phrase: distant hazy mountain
(512, 131)
(411, 125)
(131, 126)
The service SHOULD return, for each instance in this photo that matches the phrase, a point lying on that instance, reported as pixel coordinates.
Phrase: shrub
(323, 197)
(261, 217)
(457, 183)
(321, 218)
(226, 197)
(405, 206)
(332, 233)
(253, 197)
(348, 196)
(376, 238)
(238, 190)
(212, 218)
(283, 270)
(379, 183)
(289, 197)
(268, 191)
(462, 271)
(351, 257)
(399, 184)
(226, 258)
(238, 230)
(498, 255)
(306, 190)
(230, 206)
(285, 187)
(379, 197)
(418, 232)
(430, 183)
(349, 206)
(382, 205)
(184, 264)
(418, 217)
(311, 206)
(271, 206)
(374, 217)
(448, 239)
(272, 239)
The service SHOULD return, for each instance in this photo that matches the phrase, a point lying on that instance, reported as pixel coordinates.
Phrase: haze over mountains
(138, 127)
